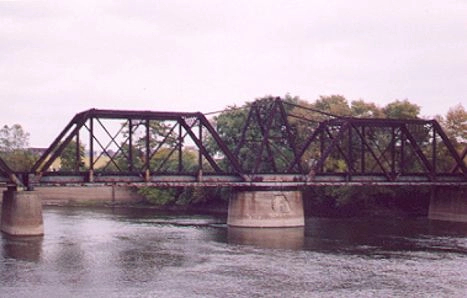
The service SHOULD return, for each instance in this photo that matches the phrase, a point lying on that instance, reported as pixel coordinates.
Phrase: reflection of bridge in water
(278, 145)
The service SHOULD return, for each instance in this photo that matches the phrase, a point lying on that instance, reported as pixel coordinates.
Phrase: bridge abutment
(448, 203)
(21, 213)
(266, 209)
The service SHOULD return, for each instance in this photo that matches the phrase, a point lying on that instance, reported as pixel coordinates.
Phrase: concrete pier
(266, 209)
(448, 203)
(21, 213)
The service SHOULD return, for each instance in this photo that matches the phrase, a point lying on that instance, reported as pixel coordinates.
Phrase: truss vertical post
(362, 148)
(180, 147)
(402, 160)
(91, 150)
(434, 150)
(130, 145)
(321, 149)
(77, 153)
(350, 152)
(200, 156)
(147, 173)
(393, 150)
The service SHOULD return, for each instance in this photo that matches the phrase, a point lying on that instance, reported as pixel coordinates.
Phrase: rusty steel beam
(354, 141)
(270, 181)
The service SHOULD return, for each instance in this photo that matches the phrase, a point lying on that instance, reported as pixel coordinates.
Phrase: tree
(20, 160)
(13, 148)
(455, 125)
(333, 104)
(401, 110)
(257, 134)
(68, 158)
(13, 138)
(362, 109)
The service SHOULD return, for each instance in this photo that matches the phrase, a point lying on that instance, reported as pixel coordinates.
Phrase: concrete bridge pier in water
(21, 213)
(266, 209)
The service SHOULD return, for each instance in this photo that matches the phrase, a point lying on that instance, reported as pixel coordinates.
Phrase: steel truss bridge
(272, 143)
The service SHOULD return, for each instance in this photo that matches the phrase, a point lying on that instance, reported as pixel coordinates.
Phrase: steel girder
(394, 148)
(142, 147)
(136, 143)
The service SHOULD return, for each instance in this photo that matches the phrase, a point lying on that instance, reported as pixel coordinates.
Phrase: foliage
(262, 128)
(362, 109)
(333, 104)
(13, 138)
(401, 110)
(68, 157)
(182, 196)
(158, 196)
(13, 148)
(19, 160)
(455, 125)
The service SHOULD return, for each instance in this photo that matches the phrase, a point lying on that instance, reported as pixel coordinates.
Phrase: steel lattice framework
(349, 150)
(278, 145)
(138, 146)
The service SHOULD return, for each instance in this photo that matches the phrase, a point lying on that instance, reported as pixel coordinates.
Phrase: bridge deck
(267, 180)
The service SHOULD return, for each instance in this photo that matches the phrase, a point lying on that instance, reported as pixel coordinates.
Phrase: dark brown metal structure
(386, 149)
(279, 145)
(331, 149)
(136, 147)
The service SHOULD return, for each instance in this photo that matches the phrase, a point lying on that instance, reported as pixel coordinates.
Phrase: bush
(158, 196)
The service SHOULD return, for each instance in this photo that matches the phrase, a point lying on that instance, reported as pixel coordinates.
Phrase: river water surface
(134, 253)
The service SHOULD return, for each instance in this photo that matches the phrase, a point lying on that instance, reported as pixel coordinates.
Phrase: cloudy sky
(58, 58)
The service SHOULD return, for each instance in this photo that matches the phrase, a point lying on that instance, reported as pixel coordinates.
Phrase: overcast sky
(60, 58)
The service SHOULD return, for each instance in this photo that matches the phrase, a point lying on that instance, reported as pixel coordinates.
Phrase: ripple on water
(122, 255)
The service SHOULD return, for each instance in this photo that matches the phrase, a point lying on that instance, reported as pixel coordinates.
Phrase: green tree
(250, 123)
(13, 138)
(401, 110)
(68, 158)
(455, 125)
(13, 148)
(362, 109)
(333, 104)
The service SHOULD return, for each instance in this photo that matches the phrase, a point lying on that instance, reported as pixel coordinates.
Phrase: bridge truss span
(270, 143)
(383, 149)
(283, 141)
(109, 146)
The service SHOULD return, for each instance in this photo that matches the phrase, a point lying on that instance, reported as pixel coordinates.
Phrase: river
(92, 252)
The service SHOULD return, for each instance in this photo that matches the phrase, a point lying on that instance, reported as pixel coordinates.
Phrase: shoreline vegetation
(339, 202)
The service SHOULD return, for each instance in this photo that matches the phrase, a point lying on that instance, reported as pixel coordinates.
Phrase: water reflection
(22, 248)
(282, 238)
(105, 253)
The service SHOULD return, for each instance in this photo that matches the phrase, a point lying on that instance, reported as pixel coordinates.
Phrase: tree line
(344, 200)
(14, 148)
